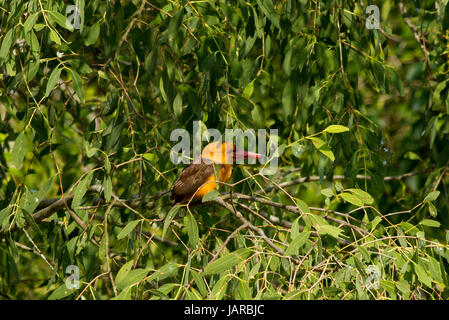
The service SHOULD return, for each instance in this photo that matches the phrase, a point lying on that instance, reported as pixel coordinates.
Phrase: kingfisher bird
(198, 179)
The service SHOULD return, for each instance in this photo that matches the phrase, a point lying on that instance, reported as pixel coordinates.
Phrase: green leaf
(248, 91)
(169, 218)
(432, 209)
(127, 229)
(219, 288)
(226, 262)
(19, 149)
(33, 68)
(335, 128)
(375, 222)
(258, 116)
(167, 288)
(164, 272)
(315, 220)
(409, 228)
(57, 17)
(379, 73)
(78, 85)
(60, 293)
(338, 186)
(287, 65)
(150, 156)
(210, 196)
(35, 198)
(430, 223)
(54, 37)
(254, 270)
(364, 196)
(107, 186)
(199, 281)
(39, 26)
(4, 214)
(81, 189)
(30, 220)
(303, 207)
(114, 138)
(192, 229)
(92, 35)
(317, 142)
(35, 49)
(389, 286)
(298, 149)
(268, 9)
(11, 67)
(365, 254)
(177, 105)
(294, 230)
(432, 196)
(330, 230)
(288, 99)
(327, 192)
(123, 272)
(403, 286)
(396, 80)
(297, 243)
(412, 156)
(193, 294)
(161, 87)
(54, 76)
(107, 165)
(30, 22)
(422, 275)
(133, 277)
(6, 45)
(351, 199)
(435, 270)
(244, 290)
(20, 219)
(323, 147)
(125, 294)
(327, 152)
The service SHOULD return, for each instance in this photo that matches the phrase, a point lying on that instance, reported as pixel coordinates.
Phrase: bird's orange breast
(210, 184)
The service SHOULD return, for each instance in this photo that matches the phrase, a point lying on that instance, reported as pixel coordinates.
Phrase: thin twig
(250, 225)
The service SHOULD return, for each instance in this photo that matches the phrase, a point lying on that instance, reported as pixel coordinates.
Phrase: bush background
(92, 108)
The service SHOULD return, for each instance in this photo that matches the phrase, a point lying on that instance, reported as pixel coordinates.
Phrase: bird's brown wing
(191, 179)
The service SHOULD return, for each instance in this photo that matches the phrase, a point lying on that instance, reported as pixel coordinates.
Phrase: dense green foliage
(95, 106)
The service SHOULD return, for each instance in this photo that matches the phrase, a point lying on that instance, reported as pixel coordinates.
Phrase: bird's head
(226, 153)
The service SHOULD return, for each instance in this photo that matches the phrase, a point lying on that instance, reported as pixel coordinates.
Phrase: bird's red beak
(242, 154)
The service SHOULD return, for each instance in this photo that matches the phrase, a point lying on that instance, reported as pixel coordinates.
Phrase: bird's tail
(162, 193)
